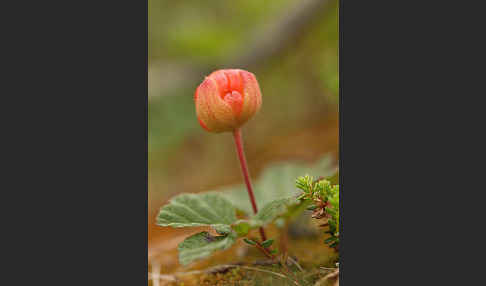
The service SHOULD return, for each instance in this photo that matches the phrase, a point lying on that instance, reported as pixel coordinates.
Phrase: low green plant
(218, 209)
(324, 199)
(214, 210)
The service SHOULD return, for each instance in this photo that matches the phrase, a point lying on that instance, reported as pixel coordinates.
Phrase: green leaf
(330, 239)
(210, 209)
(202, 245)
(266, 215)
(249, 241)
(267, 243)
(242, 227)
(273, 209)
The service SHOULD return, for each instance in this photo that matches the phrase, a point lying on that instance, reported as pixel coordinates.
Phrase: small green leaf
(334, 244)
(330, 239)
(267, 243)
(242, 228)
(244, 225)
(202, 245)
(249, 241)
(302, 196)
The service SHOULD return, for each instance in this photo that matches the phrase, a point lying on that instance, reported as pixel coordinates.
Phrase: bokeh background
(292, 48)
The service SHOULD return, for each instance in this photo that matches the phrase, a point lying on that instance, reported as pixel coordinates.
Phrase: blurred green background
(292, 48)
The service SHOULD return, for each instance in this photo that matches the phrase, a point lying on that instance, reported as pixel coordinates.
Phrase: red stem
(244, 169)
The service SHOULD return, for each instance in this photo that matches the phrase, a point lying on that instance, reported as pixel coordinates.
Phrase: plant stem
(246, 175)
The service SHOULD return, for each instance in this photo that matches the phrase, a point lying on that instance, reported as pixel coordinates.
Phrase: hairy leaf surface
(209, 209)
